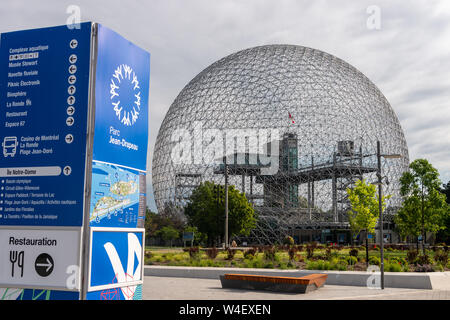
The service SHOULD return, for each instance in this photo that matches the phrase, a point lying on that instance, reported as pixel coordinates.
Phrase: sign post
(73, 133)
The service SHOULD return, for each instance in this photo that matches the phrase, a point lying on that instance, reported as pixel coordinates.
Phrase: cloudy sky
(407, 57)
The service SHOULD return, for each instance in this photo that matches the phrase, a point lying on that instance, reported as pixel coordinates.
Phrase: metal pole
(380, 208)
(226, 203)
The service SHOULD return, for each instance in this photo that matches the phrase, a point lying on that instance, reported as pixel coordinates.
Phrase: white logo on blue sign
(125, 95)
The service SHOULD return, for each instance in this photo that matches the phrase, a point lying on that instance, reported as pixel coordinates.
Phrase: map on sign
(115, 196)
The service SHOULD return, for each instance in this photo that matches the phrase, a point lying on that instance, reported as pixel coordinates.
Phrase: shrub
(441, 256)
(292, 250)
(269, 253)
(194, 252)
(148, 254)
(288, 240)
(393, 267)
(411, 256)
(374, 261)
(424, 268)
(353, 252)
(310, 249)
(352, 260)
(424, 259)
(299, 257)
(250, 253)
(399, 260)
(212, 252)
(438, 267)
(299, 248)
(230, 253)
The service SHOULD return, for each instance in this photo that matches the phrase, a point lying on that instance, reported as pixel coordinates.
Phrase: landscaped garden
(312, 256)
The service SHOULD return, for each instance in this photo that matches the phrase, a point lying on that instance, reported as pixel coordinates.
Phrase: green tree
(206, 211)
(407, 219)
(364, 212)
(154, 222)
(199, 237)
(444, 234)
(423, 201)
(168, 233)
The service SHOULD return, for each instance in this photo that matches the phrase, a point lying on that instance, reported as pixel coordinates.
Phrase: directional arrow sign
(70, 110)
(73, 43)
(71, 90)
(70, 100)
(73, 58)
(69, 138)
(69, 121)
(72, 79)
(72, 69)
(44, 264)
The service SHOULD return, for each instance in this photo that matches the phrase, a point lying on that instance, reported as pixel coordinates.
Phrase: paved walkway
(170, 288)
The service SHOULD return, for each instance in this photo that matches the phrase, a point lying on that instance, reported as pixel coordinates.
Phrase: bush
(292, 250)
(212, 253)
(393, 267)
(148, 254)
(288, 240)
(374, 261)
(424, 268)
(438, 267)
(269, 253)
(352, 260)
(326, 265)
(399, 260)
(411, 256)
(423, 259)
(231, 253)
(441, 256)
(250, 253)
(194, 252)
(310, 249)
(353, 252)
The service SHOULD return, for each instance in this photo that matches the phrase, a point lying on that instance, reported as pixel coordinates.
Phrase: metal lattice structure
(324, 118)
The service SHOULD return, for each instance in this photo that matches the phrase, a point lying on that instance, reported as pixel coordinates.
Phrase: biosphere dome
(296, 126)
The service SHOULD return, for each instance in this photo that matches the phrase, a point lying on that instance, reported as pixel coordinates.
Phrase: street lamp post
(380, 205)
(226, 203)
(380, 208)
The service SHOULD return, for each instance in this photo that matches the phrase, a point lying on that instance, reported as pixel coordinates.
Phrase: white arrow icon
(70, 110)
(49, 265)
(73, 43)
(72, 79)
(73, 58)
(67, 170)
(72, 69)
(69, 138)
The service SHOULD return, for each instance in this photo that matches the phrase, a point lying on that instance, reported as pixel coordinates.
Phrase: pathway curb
(411, 280)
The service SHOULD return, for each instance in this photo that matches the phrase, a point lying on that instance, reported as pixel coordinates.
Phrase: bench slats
(316, 279)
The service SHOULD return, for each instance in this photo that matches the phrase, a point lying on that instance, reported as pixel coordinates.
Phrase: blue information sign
(121, 132)
(121, 98)
(49, 94)
(43, 119)
(116, 259)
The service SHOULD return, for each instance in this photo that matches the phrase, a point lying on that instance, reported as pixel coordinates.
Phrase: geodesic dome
(319, 113)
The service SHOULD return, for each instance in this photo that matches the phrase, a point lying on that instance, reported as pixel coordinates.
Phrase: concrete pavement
(172, 288)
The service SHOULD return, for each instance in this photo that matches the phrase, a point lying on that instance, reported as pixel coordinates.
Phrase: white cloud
(408, 58)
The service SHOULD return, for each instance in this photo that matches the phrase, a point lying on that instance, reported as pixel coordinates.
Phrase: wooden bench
(273, 283)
